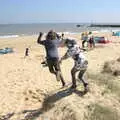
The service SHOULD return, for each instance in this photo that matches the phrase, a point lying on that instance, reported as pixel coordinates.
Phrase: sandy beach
(25, 84)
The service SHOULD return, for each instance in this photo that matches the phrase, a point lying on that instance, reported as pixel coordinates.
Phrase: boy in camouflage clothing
(80, 63)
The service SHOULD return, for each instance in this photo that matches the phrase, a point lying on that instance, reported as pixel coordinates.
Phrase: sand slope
(26, 85)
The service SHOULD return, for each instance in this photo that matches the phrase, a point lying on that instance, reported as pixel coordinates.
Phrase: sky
(59, 11)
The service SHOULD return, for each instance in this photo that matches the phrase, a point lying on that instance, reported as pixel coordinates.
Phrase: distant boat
(78, 25)
(82, 25)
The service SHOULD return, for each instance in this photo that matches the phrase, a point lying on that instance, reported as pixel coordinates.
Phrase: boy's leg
(60, 77)
(51, 66)
(44, 63)
(73, 73)
(81, 77)
(58, 72)
(83, 42)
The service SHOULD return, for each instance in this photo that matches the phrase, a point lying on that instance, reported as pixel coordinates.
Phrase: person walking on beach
(80, 63)
(51, 46)
(26, 52)
(91, 42)
(62, 36)
(84, 39)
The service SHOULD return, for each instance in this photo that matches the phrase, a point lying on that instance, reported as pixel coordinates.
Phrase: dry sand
(26, 85)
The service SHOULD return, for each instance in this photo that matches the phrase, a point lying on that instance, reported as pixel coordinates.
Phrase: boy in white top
(80, 62)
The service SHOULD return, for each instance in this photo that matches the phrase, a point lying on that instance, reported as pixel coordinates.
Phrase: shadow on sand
(49, 103)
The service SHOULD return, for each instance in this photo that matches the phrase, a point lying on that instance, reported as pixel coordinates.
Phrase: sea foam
(9, 36)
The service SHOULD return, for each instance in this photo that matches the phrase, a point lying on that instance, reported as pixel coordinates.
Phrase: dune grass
(110, 82)
(100, 112)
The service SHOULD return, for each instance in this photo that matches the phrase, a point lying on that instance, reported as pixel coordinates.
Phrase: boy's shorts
(81, 66)
(53, 64)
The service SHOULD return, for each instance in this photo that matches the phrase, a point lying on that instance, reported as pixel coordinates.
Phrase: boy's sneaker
(73, 87)
(63, 84)
(44, 63)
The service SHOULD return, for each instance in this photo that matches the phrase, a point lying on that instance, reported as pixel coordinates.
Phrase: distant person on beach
(84, 39)
(26, 52)
(51, 46)
(62, 36)
(80, 63)
(91, 42)
(113, 33)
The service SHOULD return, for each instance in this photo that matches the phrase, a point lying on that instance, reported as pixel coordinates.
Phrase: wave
(69, 32)
(15, 36)
(9, 36)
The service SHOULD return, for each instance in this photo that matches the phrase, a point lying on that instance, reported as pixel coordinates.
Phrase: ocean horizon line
(61, 23)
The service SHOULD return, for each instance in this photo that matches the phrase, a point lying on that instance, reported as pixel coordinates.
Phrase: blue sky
(36, 11)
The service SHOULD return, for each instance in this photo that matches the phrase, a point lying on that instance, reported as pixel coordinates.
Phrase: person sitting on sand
(51, 45)
(80, 63)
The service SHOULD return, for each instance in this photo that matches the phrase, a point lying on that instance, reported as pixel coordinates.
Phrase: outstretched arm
(70, 53)
(61, 43)
(39, 38)
(83, 49)
(65, 56)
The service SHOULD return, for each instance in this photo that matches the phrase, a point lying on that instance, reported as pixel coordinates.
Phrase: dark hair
(51, 35)
(62, 34)
(70, 43)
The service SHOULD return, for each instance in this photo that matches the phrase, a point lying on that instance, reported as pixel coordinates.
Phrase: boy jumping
(80, 63)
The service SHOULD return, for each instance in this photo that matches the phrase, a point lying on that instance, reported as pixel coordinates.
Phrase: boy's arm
(61, 43)
(39, 38)
(67, 55)
(83, 49)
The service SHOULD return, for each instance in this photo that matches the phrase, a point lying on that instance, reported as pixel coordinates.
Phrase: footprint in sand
(34, 95)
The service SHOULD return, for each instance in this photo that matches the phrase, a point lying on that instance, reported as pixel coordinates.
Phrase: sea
(16, 30)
